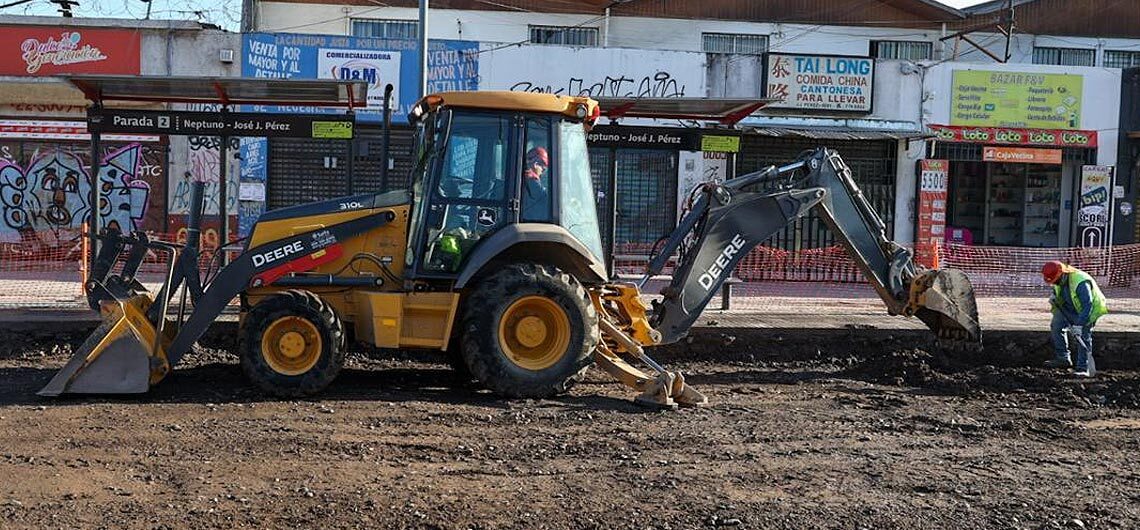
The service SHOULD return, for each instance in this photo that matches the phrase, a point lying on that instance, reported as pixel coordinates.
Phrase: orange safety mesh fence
(46, 270)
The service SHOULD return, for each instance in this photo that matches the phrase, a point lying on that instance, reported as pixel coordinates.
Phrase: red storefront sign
(1023, 155)
(50, 50)
(1007, 136)
(933, 189)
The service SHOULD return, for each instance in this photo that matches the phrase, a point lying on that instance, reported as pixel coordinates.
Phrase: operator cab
(486, 161)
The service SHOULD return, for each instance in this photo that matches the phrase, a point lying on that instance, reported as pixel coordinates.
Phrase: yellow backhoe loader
(493, 256)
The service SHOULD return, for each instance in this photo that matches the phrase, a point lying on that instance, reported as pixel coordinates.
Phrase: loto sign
(44, 51)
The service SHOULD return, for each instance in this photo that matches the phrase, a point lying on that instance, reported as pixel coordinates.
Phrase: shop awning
(222, 90)
(727, 111)
(836, 134)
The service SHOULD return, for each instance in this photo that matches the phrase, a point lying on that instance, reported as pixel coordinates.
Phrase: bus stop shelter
(111, 96)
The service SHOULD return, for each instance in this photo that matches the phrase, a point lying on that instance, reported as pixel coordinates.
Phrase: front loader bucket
(116, 358)
(946, 304)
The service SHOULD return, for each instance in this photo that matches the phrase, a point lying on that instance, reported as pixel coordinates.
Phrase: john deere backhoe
(488, 258)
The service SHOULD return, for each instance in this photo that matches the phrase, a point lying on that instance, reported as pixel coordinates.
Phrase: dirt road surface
(853, 430)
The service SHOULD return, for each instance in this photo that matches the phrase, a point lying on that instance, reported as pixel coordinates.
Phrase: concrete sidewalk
(996, 314)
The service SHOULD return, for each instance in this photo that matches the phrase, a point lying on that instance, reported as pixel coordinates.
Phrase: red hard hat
(538, 154)
(1052, 271)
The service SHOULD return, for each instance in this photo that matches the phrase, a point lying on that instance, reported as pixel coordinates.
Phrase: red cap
(538, 154)
(1052, 271)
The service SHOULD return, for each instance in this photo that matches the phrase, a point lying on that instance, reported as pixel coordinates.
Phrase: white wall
(592, 71)
(1100, 107)
(662, 33)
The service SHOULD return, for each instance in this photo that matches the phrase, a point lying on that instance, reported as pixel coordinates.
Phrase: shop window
(734, 43)
(385, 29)
(564, 35)
(1064, 56)
(1121, 59)
(901, 49)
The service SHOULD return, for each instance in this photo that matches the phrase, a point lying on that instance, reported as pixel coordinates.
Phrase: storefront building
(1022, 144)
(652, 171)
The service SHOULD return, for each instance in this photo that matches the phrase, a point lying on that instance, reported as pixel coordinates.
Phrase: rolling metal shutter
(873, 162)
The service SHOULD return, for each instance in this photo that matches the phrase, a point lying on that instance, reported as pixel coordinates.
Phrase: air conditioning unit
(226, 56)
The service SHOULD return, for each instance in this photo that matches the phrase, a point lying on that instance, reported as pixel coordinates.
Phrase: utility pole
(423, 47)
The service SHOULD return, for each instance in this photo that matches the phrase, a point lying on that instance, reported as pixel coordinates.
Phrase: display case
(1042, 207)
(1005, 205)
(968, 201)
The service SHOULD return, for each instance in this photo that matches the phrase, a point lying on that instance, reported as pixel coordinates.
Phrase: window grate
(734, 43)
(900, 49)
(385, 29)
(1064, 56)
(564, 35)
(1121, 59)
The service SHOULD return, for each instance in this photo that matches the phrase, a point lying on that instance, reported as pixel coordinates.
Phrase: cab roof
(519, 101)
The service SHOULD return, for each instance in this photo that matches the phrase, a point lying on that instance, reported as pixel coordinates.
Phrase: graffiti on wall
(48, 199)
(203, 165)
(660, 84)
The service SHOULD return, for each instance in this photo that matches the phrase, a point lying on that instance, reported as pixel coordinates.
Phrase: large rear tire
(292, 344)
(529, 331)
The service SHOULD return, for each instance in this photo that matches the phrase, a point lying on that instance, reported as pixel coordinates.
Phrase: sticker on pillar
(1125, 208)
(486, 217)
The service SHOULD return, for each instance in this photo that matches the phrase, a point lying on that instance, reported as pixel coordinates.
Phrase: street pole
(423, 47)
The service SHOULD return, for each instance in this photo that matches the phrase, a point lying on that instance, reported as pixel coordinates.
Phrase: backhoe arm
(727, 221)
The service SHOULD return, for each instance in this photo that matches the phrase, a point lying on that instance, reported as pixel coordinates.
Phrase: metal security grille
(734, 43)
(304, 170)
(601, 170)
(385, 29)
(647, 195)
(1064, 56)
(564, 35)
(873, 162)
(368, 162)
(900, 49)
(1121, 59)
(973, 153)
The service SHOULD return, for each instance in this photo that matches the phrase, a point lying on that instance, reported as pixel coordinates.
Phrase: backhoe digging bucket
(944, 301)
(119, 357)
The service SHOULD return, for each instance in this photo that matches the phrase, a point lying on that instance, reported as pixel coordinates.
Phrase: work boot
(1059, 362)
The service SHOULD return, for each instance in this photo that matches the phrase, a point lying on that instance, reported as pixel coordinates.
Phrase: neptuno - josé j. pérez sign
(825, 82)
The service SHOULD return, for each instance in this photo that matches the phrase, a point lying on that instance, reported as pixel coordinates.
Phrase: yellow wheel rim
(291, 345)
(534, 332)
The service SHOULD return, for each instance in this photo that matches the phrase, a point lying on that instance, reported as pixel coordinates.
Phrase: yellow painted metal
(397, 320)
(130, 317)
(514, 101)
(291, 345)
(387, 241)
(534, 332)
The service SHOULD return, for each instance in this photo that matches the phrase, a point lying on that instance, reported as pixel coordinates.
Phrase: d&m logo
(58, 52)
(357, 71)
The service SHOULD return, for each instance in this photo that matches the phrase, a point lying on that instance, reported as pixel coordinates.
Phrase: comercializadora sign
(819, 82)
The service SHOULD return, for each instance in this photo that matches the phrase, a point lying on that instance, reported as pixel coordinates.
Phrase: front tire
(529, 331)
(292, 344)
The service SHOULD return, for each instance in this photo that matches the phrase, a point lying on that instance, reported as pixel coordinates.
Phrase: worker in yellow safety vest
(1076, 303)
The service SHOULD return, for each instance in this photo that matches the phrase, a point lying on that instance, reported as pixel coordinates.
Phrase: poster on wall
(1011, 99)
(933, 188)
(452, 65)
(52, 50)
(1094, 211)
(377, 68)
(819, 82)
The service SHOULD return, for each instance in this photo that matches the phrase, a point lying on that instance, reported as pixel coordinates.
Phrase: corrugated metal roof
(222, 90)
(834, 134)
